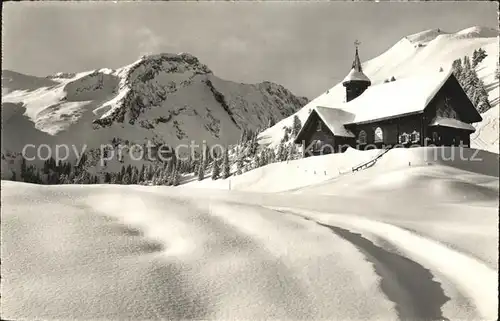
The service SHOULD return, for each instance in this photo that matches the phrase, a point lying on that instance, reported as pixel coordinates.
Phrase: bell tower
(356, 82)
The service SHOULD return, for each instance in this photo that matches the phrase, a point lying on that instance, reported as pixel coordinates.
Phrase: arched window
(362, 137)
(379, 135)
(318, 128)
(415, 137)
(403, 138)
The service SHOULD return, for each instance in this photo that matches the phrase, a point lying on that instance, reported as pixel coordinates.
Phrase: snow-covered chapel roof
(396, 98)
(453, 123)
(335, 119)
(356, 76)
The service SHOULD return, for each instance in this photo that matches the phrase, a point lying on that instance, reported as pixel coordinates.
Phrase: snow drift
(115, 252)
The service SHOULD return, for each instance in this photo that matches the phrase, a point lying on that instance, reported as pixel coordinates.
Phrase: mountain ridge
(167, 99)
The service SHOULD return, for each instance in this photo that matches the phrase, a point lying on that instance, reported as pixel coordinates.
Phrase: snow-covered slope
(419, 53)
(290, 175)
(328, 173)
(162, 98)
(141, 252)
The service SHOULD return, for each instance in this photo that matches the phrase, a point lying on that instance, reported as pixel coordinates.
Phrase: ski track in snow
(471, 277)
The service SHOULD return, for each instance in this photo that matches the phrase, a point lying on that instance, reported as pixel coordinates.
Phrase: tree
(239, 165)
(254, 144)
(134, 176)
(157, 175)
(271, 156)
(216, 168)
(257, 162)
(226, 167)
(470, 82)
(243, 137)
(107, 178)
(23, 169)
(63, 179)
(478, 56)
(393, 79)
(126, 179)
(441, 69)
(497, 73)
(474, 58)
(271, 122)
(292, 150)
(279, 152)
(146, 171)
(483, 104)
(201, 166)
(466, 69)
(457, 68)
(175, 174)
(262, 160)
(297, 125)
(481, 101)
(170, 166)
(141, 174)
(192, 162)
(248, 135)
(114, 179)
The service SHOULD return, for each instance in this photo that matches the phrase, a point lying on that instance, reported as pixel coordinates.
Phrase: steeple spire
(356, 64)
(356, 81)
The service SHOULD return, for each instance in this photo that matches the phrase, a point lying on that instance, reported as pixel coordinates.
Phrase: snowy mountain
(164, 98)
(422, 52)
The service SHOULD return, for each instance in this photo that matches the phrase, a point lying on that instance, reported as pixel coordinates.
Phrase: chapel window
(379, 135)
(362, 137)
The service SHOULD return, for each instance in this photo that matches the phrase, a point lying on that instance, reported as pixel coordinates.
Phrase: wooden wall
(391, 129)
(311, 133)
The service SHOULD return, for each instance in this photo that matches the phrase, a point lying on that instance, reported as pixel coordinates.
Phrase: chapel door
(436, 138)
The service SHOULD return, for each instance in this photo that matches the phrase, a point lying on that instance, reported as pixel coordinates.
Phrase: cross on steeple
(356, 64)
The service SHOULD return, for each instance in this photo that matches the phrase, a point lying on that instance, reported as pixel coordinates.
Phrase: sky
(307, 47)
